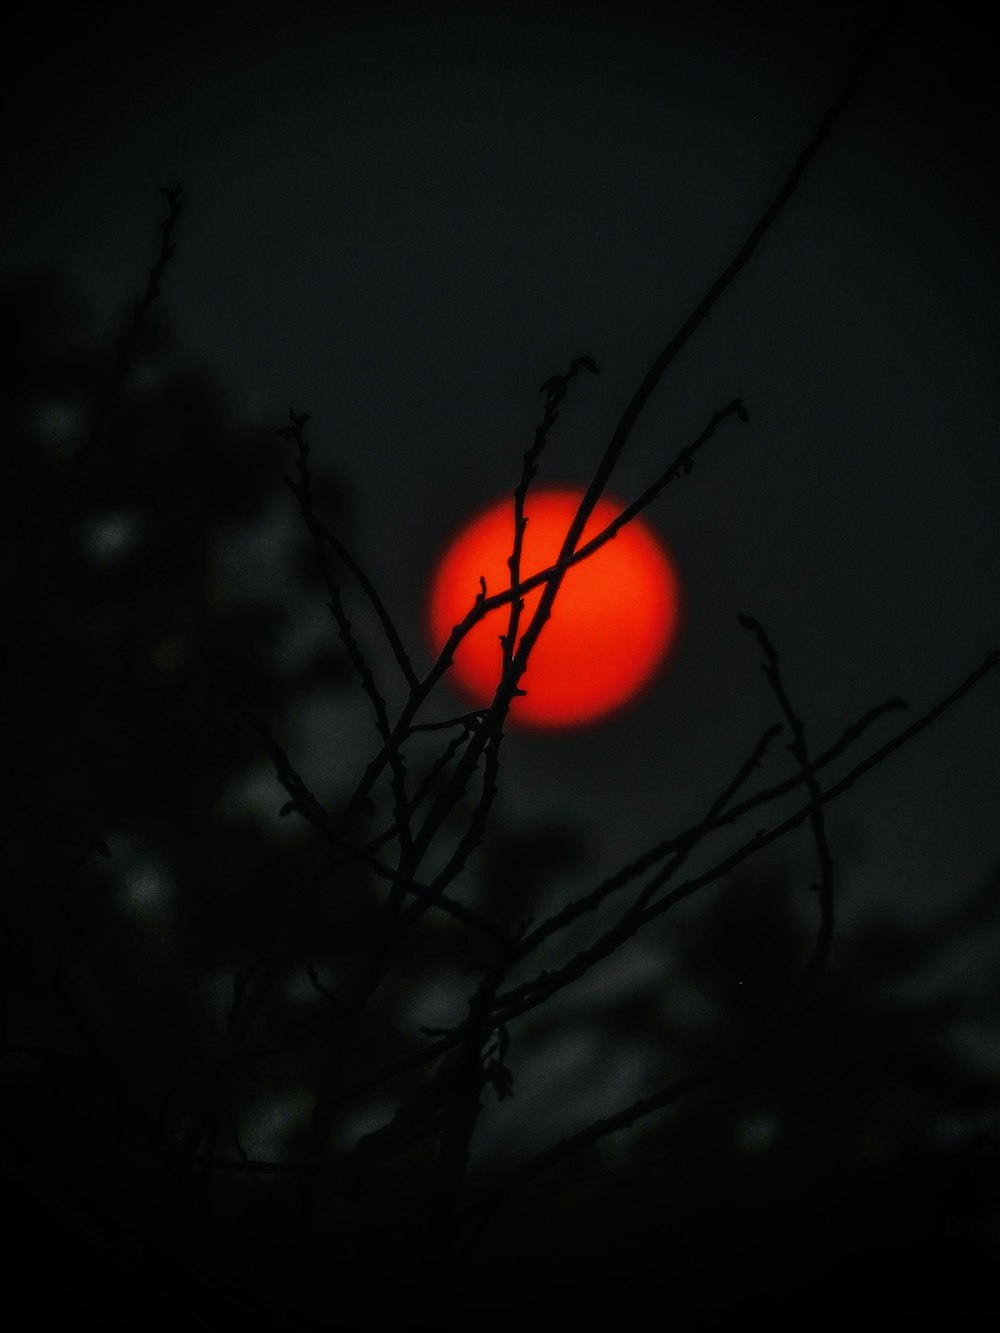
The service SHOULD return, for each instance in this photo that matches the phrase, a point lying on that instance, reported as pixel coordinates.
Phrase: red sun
(614, 617)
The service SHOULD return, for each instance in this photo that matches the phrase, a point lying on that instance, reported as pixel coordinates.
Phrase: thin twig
(772, 671)
(462, 1109)
(464, 720)
(378, 606)
(121, 371)
(303, 800)
(724, 816)
(555, 390)
(591, 901)
(301, 489)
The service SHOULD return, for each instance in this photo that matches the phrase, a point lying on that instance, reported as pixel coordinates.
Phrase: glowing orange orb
(614, 617)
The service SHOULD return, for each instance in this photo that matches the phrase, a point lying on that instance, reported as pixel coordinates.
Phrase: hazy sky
(404, 222)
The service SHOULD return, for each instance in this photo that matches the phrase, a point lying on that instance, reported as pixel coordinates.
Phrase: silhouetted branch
(532, 993)
(555, 389)
(300, 488)
(565, 916)
(656, 371)
(378, 606)
(720, 815)
(772, 671)
(576, 1143)
(463, 1105)
(82, 456)
(466, 720)
(303, 801)
(589, 902)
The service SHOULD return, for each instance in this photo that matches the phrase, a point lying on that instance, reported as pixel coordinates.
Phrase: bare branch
(673, 844)
(532, 993)
(772, 671)
(724, 815)
(300, 488)
(466, 720)
(555, 389)
(722, 819)
(303, 801)
(704, 306)
(122, 369)
(586, 1138)
(463, 1106)
(591, 901)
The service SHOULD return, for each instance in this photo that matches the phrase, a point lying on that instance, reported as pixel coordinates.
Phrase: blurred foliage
(139, 841)
(848, 1169)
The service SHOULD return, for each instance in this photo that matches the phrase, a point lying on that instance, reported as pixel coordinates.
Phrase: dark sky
(403, 222)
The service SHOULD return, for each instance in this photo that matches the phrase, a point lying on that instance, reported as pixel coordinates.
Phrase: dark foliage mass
(222, 1099)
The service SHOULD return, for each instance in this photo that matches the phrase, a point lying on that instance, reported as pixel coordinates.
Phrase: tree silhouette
(272, 1059)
